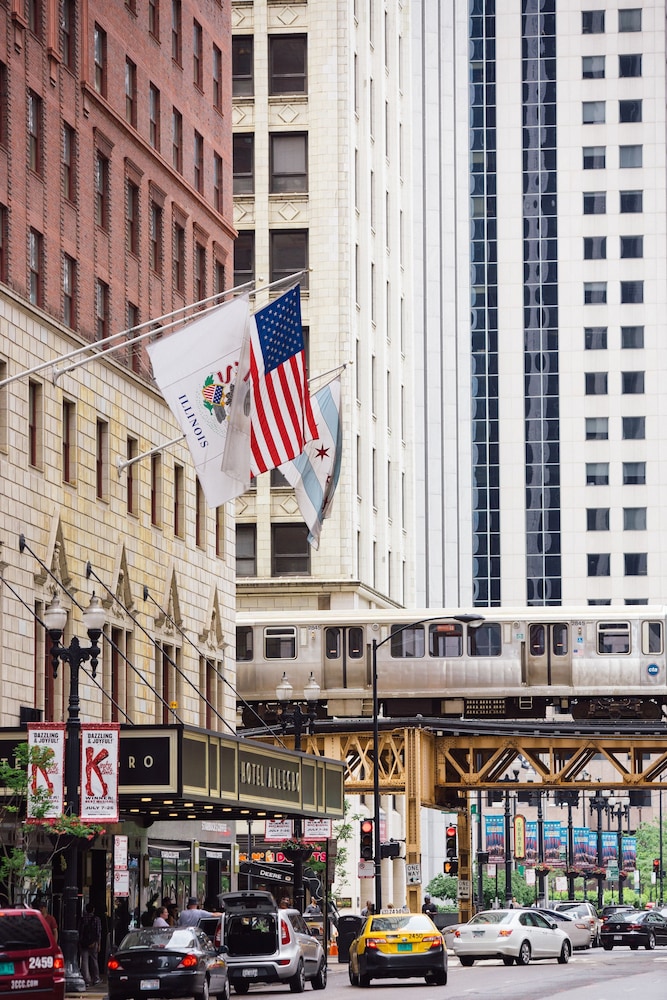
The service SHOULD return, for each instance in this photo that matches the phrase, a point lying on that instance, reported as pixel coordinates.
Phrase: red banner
(99, 772)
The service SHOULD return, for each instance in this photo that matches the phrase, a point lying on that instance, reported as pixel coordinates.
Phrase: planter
(297, 853)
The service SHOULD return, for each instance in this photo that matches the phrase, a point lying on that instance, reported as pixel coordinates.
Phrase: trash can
(348, 928)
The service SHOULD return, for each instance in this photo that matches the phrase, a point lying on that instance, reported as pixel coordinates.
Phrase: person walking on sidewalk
(90, 937)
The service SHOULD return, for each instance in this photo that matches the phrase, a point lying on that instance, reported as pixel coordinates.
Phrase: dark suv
(31, 963)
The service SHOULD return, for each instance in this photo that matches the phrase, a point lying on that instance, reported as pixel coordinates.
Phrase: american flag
(282, 419)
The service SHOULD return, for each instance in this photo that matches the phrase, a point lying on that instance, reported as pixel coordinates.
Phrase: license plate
(249, 973)
(6, 968)
(404, 947)
(150, 984)
(478, 933)
(618, 937)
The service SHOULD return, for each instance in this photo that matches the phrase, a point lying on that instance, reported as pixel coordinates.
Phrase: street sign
(413, 874)
(463, 889)
(612, 871)
(366, 869)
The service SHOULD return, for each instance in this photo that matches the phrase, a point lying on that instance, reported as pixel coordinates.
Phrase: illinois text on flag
(314, 473)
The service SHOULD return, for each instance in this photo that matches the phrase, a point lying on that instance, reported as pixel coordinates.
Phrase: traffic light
(392, 849)
(656, 866)
(367, 839)
(451, 867)
(451, 849)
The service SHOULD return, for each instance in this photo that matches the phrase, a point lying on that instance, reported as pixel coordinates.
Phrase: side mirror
(222, 949)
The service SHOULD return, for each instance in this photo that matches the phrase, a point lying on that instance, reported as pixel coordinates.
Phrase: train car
(590, 663)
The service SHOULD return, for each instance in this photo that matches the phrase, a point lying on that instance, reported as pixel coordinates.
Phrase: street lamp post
(598, 804)
(661, 874)
(55, 619)
(619, 811)
(463, 619)
(301, 722)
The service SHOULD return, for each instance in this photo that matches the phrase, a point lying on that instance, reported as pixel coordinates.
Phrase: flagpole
(122, 465)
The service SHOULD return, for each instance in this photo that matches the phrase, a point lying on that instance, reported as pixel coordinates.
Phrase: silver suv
(585, 912)
(266, 944)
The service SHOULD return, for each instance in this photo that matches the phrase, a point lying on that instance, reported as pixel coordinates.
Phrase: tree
(29, 838)
(343, 832)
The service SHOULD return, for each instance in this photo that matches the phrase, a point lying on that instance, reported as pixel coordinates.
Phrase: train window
(559, 638)
(407, 641)
(244, 644)
(613, 637)
(445, 639)
(485, 640)
(537, 635)
(332, 643)
(280, 643)
(355, 643)
(651, 637)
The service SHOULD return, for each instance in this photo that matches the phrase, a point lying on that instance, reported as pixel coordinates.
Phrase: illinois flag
(196, 369)
(314, 473)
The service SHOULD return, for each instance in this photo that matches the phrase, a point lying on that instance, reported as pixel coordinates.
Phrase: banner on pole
(99, 772)
(46, 783)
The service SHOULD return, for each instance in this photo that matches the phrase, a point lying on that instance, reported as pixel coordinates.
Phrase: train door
(344, 658)
(548, 654)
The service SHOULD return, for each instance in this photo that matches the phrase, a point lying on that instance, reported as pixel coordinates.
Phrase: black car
(167, 962)
(638, 927)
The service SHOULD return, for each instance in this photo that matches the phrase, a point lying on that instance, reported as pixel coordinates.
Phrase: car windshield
(628, 917)
(492, 917)
(22, 930)
(176, 938)
(401, 921)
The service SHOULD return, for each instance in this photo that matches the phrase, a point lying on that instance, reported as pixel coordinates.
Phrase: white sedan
(512, 935)
(576, 928)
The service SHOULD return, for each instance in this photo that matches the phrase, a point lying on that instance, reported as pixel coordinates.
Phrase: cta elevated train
(529, 663)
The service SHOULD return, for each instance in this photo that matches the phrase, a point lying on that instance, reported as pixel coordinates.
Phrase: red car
(31, 963)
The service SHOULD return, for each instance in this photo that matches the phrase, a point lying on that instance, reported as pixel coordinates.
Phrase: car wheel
(438, 978)
(565, 953)
(353, 977)
(523, 958)
(634, 947)
(607, 947)
(650, 942)
(203, 993)
(466, 960)
(241, 988)
(364, 981)
(297, 983)
(225, 993)
(508, 960)
(319, 980)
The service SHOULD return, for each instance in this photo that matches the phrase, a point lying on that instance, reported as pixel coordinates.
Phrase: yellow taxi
(398, 945)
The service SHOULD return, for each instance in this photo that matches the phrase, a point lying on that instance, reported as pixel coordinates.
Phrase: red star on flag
(322, 452)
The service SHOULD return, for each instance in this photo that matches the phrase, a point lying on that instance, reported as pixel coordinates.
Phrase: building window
(595, 292)
(154, 116)
(35, 424)
(131, 452)
(244, 162)
(69, 291)
(132, 218)
(217, 78)
(635, 563)
(287, 64)
(101, 191)
(289, 162)
(595, 202)
(220, 531)
(4, 216)
(597, 519)
(592, 67)
(156, 238)
(218, 191)
(595, 157)
(592, 22)
(289, 254)
(631, 201)
(35, 131)
(593, 112)
(36, 268)
(634, 519)
(200, 272)
(34, 16)
(131, 92)
(243, 84)
(176, 32)
(244, 257)
(596, 383)
(101, 458)
(634, 428)
(177, 140)
(290, 551)
(630, 65)
(134, 349)
(69, 159)
(100, 45)
(4, 105)
(246, 550)
(599, 564)
(69, 440)
(197, 55)
(179, 501)
(101, 310)
(630, 157)
(595, 338)
(595, 247)
(179, 258)
(632, 246)
(630, 19)
(597, 473)
(156, 490)
(634, 473)
(199, 162)
(632, 383)
(629, 111)
(632, 291)
(68, 33)
(200, 516)
(632, 337)
(154, 18)
(218, 277)
(597, 428)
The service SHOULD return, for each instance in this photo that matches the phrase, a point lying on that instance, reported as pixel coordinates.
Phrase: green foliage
(343, 832)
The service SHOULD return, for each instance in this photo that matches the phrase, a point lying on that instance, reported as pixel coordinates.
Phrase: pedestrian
(50, 919)
(285, 903)
(192, 914)
(428, 906)
(162, 918)
(313, 909)
(90, 937)
(368, 909)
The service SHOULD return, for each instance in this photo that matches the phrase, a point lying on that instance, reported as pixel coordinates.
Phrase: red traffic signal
(451, 849)
(367, 839)
(656, 864)
(451, 831)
